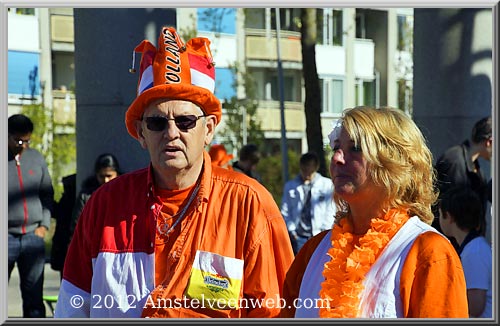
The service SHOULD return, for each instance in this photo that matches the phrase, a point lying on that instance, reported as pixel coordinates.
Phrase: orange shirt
(115, 255)
(173, 201)
(432, 283)
(232, 216)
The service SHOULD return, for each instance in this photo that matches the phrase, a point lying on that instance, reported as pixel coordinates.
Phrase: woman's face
(349, 169)
(105, 175)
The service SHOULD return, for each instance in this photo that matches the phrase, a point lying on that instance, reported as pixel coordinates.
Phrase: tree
(213, 17)
(242, 113)
(59, 149)
(190, 31)
(312, 104)
(404, 66)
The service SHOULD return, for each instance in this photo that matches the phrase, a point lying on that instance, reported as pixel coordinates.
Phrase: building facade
(41, 67)
(363, 57)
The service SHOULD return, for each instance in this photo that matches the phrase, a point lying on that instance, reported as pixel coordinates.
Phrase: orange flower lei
(345, 272)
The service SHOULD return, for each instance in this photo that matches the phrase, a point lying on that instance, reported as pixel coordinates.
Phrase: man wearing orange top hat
(177, 239)
(220, 157)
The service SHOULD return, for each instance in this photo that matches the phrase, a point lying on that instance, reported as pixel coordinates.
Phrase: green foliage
(189, 32)
(239, 109)
(64, 157)
(328, 156)
(271, 170)
(214, 18)
(59, 149)
(38, 115)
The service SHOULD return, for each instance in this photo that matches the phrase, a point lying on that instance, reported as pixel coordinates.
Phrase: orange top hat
(219, 155)
(174, 71)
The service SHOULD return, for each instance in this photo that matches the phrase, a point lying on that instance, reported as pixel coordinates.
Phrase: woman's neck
(363, 211)
(361, 218)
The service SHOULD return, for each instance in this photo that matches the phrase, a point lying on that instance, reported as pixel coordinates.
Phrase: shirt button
(152, 206)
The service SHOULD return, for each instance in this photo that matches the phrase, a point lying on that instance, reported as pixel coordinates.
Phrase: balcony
(270, 117)
(364, 58)
(62, 33)
(64, 105)
(262, 46)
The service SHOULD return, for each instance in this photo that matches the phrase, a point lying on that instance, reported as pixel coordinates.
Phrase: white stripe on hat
(146, 79)
(202, 80)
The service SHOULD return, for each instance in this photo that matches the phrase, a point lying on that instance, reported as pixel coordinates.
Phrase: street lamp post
(284, 150)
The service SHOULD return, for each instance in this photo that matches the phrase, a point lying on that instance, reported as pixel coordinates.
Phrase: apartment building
(41, 62)
(363, 56)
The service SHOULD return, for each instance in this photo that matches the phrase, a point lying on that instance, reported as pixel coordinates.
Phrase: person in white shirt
(307, 203)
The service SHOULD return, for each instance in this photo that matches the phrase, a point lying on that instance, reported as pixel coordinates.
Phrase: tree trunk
(312, 102)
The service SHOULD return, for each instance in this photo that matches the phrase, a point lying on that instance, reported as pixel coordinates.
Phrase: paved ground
(51, 287)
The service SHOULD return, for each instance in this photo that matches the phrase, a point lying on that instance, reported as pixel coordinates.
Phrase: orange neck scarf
(345, 272)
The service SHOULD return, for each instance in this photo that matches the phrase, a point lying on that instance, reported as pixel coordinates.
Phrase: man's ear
(449, 217)
(210, 124)
(140, 134)
(489, 142)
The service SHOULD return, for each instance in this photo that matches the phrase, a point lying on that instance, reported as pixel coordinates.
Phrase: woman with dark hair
(106, 168)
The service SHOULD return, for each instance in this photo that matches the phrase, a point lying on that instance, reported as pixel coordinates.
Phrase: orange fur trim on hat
(174, 71)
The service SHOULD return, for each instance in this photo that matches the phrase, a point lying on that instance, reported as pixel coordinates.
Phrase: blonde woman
(381, 259)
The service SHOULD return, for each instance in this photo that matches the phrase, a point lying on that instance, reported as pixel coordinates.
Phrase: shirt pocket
(215, 280)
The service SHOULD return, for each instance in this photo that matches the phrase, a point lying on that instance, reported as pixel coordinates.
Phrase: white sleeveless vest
(380, 297)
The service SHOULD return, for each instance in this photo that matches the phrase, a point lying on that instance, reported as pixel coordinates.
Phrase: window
(267, 87)
(405, 34)
(369, 93)
(360, 25)
(63, 70)
(405, 95)
(255, 18)
(332, 95)
(289, 88)
(329, 24)
(289, 19)
(337, 31)
(22, 11)
(366, 92)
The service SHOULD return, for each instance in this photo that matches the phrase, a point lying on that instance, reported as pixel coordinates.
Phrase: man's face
(488, 149)
(444, 222)
(18, 142)
(175, 147)
(308, 170)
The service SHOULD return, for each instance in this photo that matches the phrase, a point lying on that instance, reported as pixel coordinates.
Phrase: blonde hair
(399, 159)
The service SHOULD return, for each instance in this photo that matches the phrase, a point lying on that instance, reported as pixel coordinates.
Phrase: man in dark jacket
(459, 165)
(248, 159)
(63, 210)
(31, 199)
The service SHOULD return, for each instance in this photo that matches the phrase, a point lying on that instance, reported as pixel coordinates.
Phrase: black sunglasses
(20, 141)
(183, 122)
